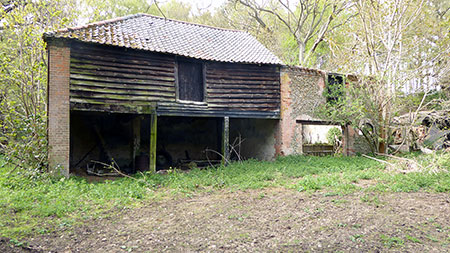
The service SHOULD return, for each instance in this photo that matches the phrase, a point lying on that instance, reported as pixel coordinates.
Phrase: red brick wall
(348, 140)
(58, 108)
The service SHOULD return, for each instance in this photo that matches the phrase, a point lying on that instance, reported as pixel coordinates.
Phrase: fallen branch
(111, 166)
(218, 153)
(426, 150)
(402, 158)
(235, 146)
(376, 159)
(117, 170)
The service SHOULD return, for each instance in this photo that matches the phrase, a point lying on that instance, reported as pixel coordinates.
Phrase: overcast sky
(204, 4)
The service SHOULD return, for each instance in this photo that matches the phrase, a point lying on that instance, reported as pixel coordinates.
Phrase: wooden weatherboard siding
(100, 74)
(234, 90)
(106, 77)
(243, 87)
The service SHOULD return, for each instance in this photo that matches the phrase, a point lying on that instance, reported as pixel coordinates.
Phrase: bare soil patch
(266, 220)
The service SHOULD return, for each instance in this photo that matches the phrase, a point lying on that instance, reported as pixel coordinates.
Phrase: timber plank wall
(108, 77)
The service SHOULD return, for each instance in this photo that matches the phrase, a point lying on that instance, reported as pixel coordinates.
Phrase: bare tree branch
(308, 20)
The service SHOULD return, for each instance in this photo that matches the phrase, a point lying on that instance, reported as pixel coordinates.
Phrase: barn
(152, 93)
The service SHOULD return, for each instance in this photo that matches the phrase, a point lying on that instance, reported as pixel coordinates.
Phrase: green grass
(32, 206)
(392, 241)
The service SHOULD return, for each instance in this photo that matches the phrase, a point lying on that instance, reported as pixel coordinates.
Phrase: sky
(204, 4)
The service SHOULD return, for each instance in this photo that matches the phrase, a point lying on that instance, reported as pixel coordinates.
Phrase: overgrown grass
(30, 206)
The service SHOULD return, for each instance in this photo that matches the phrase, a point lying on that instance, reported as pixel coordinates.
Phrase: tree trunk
(301, 53)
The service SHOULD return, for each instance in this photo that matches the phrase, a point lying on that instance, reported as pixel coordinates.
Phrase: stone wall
(301, 93)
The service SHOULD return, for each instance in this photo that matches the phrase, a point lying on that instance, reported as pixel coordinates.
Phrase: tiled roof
(151, 33)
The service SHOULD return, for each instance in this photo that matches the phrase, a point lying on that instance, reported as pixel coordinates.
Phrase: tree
(307, 21)
(117, 8)
(389, 44)
(23, 77)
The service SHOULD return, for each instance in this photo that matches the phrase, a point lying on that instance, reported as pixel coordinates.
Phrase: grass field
(40, 205)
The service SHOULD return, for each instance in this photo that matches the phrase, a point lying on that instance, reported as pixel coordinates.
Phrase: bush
(334, 135)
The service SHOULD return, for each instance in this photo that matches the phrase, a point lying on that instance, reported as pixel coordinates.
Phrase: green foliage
(433, 101)
(23, 79)
(300, 27)
(415, 48)
(360, 104)
(333, 135)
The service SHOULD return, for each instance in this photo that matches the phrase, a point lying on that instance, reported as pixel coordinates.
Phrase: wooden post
(300, 138)
(153, 136)
(225, 140)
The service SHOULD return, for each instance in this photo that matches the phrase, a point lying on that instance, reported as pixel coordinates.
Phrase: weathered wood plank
(123, 64)
(86, 80)
(111, 102)
(273, 96)
(220, 92)
(222, 73)
(145, 56)
(243, 87)
(86, 56)
(83, 83)
(80, 94)
(225, 140)
(116, 80)
(255, 114)
(217, 106)
(153, 92)
(190, 81)
(245, 106)
(212, 82)
(153, 138)
(114, 50)
(233, 66)
(255, 103)
(112, 108)
(96, 73)
(241, 78)
(119, 52)
(141, 71)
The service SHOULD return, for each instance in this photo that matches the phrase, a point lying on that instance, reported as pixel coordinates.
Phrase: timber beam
(153, 138)
(225, 140)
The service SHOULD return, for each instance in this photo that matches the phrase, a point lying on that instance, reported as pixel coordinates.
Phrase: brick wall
(58, 108)
(301, 93)
(348, 140)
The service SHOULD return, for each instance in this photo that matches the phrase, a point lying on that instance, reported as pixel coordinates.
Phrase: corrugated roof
(157, 34)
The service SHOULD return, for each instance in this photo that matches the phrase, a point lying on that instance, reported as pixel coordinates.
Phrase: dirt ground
(266, 220)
